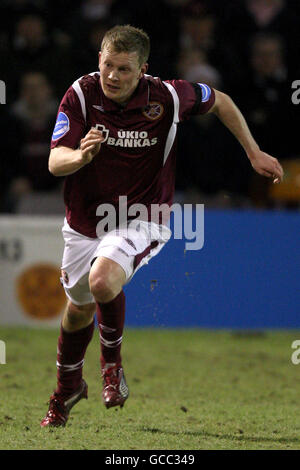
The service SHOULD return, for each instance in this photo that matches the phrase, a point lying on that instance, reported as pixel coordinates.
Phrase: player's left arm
(232, 118)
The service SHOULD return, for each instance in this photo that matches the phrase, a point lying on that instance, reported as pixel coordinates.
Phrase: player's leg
(76, 317)
(75, 334)
(77, 326)
(119, 255)
(77, 322)
(107, 278)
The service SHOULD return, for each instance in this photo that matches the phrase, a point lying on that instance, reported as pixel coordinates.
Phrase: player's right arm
(72, 147)
(64, 161)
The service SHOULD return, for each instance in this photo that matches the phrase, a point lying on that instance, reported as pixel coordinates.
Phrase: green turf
(189, 389)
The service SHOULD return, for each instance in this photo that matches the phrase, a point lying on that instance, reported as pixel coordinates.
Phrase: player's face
(120, 74)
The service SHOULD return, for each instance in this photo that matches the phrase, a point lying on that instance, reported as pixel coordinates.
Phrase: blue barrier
(245, 276)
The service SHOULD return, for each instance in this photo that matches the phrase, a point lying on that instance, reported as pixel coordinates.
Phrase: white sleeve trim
(175, 100)
(173, 129)
(80, 95)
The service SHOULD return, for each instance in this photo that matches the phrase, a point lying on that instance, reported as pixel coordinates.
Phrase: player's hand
(90, 144)
(267, 165)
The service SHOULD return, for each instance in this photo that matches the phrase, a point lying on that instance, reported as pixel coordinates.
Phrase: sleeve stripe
(173, 128)
(176, 101)
(80, 95)
(206, 92)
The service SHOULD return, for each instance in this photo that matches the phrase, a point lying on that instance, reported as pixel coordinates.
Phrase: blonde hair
(127, 38)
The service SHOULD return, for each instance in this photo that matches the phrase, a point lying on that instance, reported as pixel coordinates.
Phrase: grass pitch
(189, 389)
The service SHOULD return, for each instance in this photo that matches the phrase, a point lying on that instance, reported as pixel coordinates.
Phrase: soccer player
(115, 136)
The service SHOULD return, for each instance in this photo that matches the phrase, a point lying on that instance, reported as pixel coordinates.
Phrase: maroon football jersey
(137, 158)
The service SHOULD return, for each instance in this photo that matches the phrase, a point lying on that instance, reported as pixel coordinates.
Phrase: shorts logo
(65, 276)
(153, 111)
(62, 126)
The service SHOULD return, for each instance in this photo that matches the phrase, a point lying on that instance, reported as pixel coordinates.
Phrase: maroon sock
(111, 317)
(70, 358)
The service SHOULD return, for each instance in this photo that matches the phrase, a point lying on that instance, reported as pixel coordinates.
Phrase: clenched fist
(90, 144)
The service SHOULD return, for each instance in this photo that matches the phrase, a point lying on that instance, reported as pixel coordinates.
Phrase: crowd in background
(249, 49)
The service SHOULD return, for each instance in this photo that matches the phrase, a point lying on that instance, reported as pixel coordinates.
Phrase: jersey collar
(139, 99)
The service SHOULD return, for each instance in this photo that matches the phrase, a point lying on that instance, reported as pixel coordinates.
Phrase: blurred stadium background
(247, 273)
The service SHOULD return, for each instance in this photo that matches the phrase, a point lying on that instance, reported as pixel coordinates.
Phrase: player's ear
(99, 55)
(144, 69)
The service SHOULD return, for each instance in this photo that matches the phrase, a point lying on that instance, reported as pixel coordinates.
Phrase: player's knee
(77, 314)
(106, 279)
(103, 289)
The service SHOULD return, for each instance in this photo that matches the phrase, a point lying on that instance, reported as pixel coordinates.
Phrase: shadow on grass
(231, 437)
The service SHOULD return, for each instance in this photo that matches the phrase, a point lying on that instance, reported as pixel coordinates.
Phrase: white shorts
(130, 246)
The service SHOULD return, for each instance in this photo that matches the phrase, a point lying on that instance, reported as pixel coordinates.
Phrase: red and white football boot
(115, 389)
(60, 406)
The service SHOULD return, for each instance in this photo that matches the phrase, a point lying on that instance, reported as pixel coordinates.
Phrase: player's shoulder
(84, 89)
(156, 83)
(80, 92)
(87, 83)
(84, 85)
(162, 88)
(167, 86)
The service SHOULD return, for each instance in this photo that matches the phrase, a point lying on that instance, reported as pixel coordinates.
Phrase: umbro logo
(100, 108)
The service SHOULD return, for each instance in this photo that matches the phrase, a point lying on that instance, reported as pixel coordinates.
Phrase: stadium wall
(245, 276)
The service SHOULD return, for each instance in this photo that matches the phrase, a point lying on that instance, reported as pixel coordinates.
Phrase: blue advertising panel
(245, 276)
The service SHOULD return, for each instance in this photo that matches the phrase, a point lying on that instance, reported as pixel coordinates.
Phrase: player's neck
(122, 104)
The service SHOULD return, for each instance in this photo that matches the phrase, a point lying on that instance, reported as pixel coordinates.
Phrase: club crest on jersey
(153, 111)
(62, 126)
